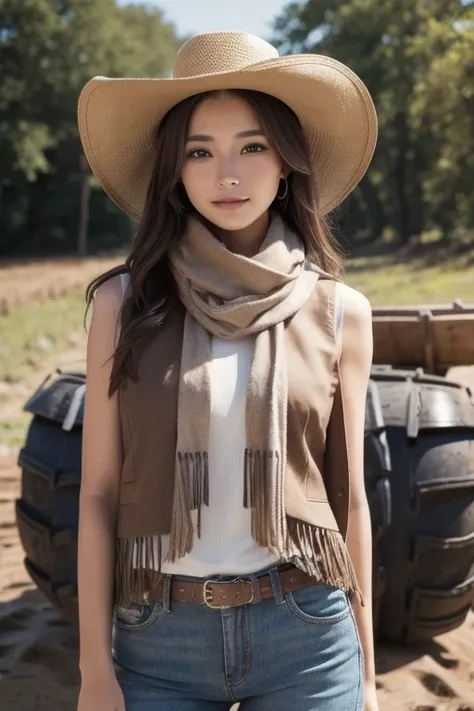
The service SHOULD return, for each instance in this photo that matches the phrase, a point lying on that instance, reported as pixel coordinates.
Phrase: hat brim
(117, 119)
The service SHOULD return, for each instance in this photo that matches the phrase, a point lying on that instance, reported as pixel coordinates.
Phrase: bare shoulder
(108, 298)
(104, 327)
(357, 337)
(357, 307)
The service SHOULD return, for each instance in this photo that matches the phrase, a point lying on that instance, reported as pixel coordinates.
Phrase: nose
(228, 182)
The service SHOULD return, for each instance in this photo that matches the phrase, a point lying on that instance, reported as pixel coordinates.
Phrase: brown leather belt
(220, 595)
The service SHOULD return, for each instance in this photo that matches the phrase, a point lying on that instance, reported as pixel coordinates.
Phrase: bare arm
(356, 359)
(101, 467)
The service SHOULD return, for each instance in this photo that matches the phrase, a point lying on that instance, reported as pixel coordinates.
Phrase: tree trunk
(34, 223)
(84, 207)
(374, 208)
(404, 212)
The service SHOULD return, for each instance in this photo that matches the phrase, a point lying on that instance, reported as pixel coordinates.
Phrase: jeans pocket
(136, 616)
(320, 604)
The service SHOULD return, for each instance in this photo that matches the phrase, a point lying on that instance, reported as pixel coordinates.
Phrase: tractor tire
(419, 476)
(422, 432)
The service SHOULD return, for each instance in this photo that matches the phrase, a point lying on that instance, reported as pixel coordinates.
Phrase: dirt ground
(38, 650)
(24, 282)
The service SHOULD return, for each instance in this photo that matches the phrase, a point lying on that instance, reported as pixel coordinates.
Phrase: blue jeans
(299, 651)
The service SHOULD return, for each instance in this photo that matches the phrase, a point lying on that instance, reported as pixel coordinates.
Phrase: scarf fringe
(191, 493)
(138, 566)
(323, 554)
(264, 496)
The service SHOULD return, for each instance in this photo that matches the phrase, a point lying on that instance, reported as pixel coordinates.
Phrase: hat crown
(218, 52)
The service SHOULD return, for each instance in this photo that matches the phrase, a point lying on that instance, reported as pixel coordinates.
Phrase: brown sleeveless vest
(316, 477)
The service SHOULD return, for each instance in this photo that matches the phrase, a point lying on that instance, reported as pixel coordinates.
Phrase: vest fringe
(323, 554)
(263, 494)
(320, 552)
(138, 566)
(191, 492)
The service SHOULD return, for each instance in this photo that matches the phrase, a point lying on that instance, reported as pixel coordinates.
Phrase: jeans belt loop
(277, 587)
(167, 593)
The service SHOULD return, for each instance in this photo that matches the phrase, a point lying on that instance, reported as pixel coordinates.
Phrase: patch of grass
(386, 280)
(30, 336)
(13, 431)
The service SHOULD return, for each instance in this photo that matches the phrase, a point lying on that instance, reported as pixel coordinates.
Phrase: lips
(230, 204)
(229, 201)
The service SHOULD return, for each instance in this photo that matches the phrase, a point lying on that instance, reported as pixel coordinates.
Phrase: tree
(399, 48)
(48, 51)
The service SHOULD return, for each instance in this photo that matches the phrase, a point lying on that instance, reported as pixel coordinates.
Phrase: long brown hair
(167, 206)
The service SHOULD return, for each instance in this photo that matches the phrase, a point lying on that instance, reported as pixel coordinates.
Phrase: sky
(194, 16)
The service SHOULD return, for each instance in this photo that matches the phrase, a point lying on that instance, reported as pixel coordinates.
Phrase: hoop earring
(285, 192)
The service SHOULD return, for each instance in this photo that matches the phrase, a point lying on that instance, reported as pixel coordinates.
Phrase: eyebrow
(242, 134)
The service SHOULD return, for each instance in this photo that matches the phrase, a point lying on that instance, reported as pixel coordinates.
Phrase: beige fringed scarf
(232, 296)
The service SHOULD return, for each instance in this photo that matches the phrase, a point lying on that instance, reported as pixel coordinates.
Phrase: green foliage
(417, 59)
(48, 50)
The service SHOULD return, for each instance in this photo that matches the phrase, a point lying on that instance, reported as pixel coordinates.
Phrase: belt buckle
(208, 596)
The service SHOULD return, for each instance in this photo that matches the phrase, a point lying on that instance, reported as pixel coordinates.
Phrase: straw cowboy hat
(117, 117)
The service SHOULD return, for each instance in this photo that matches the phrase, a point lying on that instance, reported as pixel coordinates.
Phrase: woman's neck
(247, 241)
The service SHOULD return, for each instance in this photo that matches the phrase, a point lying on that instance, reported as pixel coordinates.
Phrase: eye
(254, 148)
(197, 153)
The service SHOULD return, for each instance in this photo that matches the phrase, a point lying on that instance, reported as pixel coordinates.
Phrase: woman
(223, 514)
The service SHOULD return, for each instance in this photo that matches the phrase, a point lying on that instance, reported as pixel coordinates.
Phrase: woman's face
(231, 172)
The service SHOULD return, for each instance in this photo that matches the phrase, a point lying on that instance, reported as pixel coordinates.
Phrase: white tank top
(226, 546)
